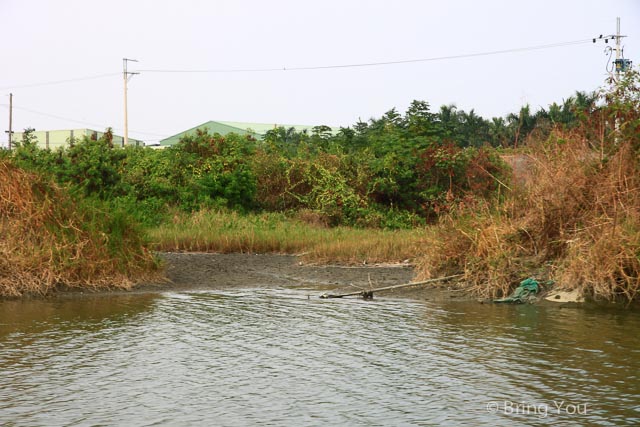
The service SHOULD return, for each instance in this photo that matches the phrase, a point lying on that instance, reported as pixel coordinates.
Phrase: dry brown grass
(48, 241)
(603, 252)
(575, 219)
(486, 246)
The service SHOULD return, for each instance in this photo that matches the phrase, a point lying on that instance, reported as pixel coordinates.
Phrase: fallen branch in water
(368, 294)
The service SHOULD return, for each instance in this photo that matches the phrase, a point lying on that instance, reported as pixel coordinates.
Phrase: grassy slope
(49, 240)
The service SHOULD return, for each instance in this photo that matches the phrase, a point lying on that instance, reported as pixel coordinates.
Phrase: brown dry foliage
(46, 242)
(574, 219)
(603, 247)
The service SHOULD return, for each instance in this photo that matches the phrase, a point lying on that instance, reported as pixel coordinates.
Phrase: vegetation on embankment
(399, 171)
(573, 214)
(230, 232)
(427, 186)
(49, 240)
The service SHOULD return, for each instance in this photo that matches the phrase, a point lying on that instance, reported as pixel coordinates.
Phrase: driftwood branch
(368, 294)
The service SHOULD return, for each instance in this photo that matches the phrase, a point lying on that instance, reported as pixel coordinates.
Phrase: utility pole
(620, 65)
(126, 75)
(617, 67)
(10, 132)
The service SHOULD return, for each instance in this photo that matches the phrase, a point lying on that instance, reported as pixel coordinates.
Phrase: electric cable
(310, 68)
(54, 116)
(57, 82)
(369, 64)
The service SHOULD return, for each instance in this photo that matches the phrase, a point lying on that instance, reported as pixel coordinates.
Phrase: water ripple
(275, 357)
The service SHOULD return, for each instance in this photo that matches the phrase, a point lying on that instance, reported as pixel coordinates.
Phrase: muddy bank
(193, 271)
(197, 271)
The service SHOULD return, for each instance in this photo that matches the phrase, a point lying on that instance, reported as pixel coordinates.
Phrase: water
(275, 357)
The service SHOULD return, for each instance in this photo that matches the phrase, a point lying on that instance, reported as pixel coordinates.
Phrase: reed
(227, 232)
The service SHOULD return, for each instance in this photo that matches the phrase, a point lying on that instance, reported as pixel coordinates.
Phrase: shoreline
(211, 271)
(188, 271)
(194, 271)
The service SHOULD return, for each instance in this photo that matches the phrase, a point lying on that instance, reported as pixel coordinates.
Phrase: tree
(420, 121)
(448, 118)
(521, 124)
(473, 130)
(498, 132)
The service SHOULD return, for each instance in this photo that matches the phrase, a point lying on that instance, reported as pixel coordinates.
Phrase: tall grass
(226, 232)
(575, 219)
(49, 240)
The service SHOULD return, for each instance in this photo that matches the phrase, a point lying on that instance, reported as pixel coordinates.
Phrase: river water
(275, 357)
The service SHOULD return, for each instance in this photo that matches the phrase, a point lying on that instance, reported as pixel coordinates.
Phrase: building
(53, 139)
(257, 130)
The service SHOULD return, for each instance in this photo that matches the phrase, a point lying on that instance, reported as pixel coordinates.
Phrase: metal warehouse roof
(257, 130)
(60, 138)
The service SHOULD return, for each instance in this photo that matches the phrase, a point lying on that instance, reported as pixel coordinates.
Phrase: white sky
(45, 41)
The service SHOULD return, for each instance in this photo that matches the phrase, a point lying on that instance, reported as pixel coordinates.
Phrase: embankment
(573, 217)
(51, 240)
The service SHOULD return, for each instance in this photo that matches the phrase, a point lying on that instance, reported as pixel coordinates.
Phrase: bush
(574, 217)
(50, 239)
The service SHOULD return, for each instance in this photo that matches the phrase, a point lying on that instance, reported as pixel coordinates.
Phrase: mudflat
(198, 271)
(212, 271)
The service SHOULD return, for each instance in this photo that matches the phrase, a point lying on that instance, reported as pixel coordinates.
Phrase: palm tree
(498, 132)
(585, 101)
(521, 124)
(448, 118)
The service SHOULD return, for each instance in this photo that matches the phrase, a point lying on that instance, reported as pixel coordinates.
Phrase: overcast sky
(49, 41)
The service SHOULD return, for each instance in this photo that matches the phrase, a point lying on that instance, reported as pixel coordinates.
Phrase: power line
(308, 68)
(372, 64)
(57, 82)
(273, 69)
(54, 116)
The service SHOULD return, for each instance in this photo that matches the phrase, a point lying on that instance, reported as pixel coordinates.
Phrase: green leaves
(397, 166)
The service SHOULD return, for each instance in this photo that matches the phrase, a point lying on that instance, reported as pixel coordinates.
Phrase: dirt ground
(191, 271)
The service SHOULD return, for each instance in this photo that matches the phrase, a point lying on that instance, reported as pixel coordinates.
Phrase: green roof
(257, 130)
(60, 137)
